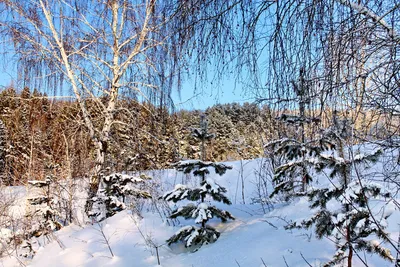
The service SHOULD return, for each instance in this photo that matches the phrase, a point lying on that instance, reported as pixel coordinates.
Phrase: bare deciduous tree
(99, 50)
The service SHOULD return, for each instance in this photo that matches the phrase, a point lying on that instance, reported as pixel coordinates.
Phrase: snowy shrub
(113, 192)
(7, 222)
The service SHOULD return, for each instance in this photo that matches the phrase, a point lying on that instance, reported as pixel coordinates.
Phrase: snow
(39, 183)
(180, 187)
(203, 206)
(214, 187)
(180, 192)
(192, 236)
(253, 238)
(5, 233)
(375, 243)
(330, 156)
(123, 177)
(202, 213)
(389, 209)
(192, 162)
(184, 229)
(245, 241)
(359, 157)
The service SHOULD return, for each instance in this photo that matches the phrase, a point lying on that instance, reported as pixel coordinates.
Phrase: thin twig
(285, 261)
(271, 224)
(305, 260)
(106, 240)
(263, 262)
(237, 263)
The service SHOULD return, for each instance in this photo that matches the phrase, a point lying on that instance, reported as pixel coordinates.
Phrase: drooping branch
(374, 17)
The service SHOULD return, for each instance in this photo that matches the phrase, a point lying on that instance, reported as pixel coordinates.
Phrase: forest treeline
(46, 135)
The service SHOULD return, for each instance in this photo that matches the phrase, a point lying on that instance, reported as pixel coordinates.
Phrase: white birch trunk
(119, 65)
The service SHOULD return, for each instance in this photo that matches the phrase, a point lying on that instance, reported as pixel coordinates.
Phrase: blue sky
(7, 74)
(209, 94)
(190, 98)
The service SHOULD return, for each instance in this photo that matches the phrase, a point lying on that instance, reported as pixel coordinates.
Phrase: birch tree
(347, 49)
(3, 151)
(97, 51)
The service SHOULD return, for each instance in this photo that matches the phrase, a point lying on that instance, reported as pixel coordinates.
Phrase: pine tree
(353, 224)
(293, 175)
(202, 211)
(225, 131)
(113, 192)
(289, 177)
(47, 217)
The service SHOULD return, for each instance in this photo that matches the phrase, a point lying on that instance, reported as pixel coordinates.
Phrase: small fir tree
(353, 225)
(289, 177)
(43, 208)
(114, 189)
(202, 135)
(293, 175)
(44, 216)
(202, 211)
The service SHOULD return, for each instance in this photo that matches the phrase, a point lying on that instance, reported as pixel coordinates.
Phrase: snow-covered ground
(256, 238)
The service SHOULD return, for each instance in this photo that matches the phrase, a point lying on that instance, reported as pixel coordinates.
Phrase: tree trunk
(301, 92)
(203, 158)
(350, 257)
(397, 263)
(99, 169)
(101, 150)
(346, 180)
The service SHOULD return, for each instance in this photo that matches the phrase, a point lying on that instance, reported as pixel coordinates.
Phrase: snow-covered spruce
(195, 236)
(199, 167)
(113, 191)
(352, 224)
(207, 187)
(46, 217)
(43, 214)
(291, 176)
(180, 192)
(202, 132)
(200, 212)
